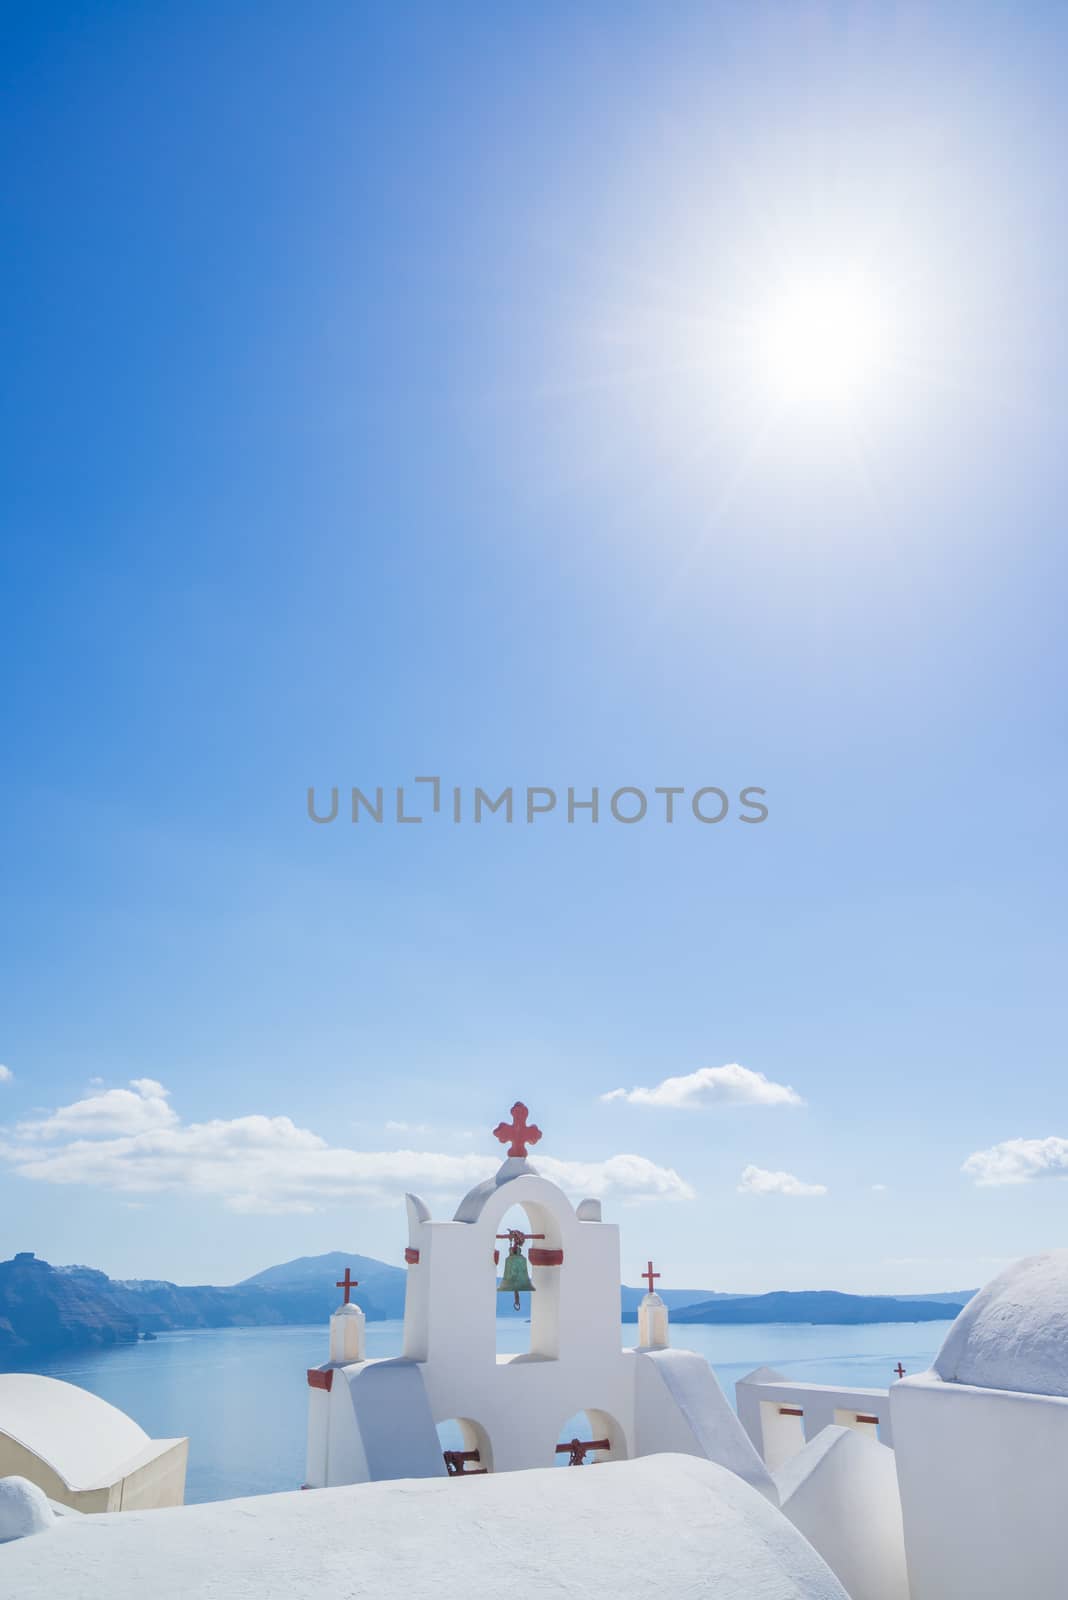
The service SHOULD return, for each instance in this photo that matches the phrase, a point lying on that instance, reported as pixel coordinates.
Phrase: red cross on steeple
(348, 1283)
(899, 1369)
(649, 1275)
(519, 1131)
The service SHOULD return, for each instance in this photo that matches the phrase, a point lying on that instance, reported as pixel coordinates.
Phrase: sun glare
(821, 340)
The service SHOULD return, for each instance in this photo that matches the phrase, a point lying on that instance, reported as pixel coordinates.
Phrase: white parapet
(841, 1492)
(681, 1408)
(779, 1416)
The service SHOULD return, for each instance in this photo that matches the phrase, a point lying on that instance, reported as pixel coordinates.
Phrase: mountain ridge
(44, 1308)
(47, 1309)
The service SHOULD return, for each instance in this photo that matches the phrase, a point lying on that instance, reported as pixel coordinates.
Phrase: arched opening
(513, 1307)
(589, 1437)
(530, 1327)
(465, 1447)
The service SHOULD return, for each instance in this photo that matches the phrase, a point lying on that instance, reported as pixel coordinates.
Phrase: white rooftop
(81, 1437)
(673, 1525)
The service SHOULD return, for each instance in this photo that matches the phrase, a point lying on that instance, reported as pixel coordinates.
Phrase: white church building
(370, 1420)
(946, 1487)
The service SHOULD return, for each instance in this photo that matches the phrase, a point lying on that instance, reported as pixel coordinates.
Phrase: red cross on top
(649, 1275)
(899, 1369)
(348, 1283)
(519, 1131)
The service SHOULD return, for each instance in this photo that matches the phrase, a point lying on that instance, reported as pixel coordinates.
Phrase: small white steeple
(652, 1316)
(348, 1327)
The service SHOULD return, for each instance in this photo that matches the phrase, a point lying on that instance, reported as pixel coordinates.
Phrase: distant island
(46, 1309)
(817, 1306)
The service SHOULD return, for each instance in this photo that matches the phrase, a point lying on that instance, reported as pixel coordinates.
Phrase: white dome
(1014, 1334)
(24, 1509)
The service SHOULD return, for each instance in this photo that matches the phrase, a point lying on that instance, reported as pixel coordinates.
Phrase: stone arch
(465, 1434)
(593, 1422)
(547, 1209)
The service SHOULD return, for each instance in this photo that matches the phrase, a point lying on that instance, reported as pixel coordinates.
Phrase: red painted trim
(317, 1379)
(545, 1258)
(411, 1256)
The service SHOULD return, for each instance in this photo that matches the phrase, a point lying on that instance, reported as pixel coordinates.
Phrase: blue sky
(382, 401)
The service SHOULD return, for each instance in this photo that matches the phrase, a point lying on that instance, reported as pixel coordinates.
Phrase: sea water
(241, 1394)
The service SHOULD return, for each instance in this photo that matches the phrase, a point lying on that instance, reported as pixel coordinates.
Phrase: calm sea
(241, 1393)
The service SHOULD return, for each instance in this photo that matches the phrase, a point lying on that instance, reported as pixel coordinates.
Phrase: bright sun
(821, 340)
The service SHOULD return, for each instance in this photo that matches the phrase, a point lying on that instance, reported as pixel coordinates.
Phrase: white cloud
(731, 1085)
(149, 1088)
(1018, 1161)
(756, 1181)
(878, 1188)
(624, 1177)
(131, 1141)
(6, 1073)
(138, 1109)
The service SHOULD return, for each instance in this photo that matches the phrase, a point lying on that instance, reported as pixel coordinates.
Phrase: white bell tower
(378, 1419)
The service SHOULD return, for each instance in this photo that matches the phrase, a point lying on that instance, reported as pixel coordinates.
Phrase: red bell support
(456, 1463)
(577, 1449)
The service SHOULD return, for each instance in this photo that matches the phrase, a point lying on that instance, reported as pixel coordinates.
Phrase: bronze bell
(515, 1278)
